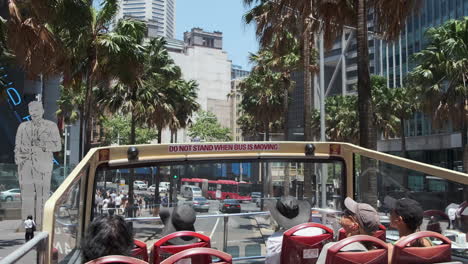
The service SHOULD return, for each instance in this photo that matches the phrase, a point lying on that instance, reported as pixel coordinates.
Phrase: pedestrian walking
(30, 227)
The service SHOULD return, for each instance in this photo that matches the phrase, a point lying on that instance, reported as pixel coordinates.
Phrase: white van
(164, 186)
(189, 191)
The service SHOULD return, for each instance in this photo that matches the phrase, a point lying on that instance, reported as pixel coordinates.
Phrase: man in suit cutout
(36, 140)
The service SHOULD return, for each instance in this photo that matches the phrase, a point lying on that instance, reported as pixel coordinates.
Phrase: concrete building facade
(159, 15)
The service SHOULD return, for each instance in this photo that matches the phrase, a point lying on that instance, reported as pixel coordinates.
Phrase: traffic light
(175, 177)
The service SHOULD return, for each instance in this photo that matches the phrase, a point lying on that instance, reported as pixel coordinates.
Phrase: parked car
(10, 195)
(199, 204)
(256, 196)
(140, 185)
(152, 188)
(189, 191)
(230, 206)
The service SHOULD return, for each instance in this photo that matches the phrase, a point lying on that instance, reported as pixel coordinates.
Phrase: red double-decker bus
(221, 189)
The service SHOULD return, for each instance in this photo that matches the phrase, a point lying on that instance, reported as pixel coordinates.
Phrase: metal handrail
(39, 241)
(153, 218)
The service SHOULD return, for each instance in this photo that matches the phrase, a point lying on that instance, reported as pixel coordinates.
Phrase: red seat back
(303, 249)
(206, 252)
(402, 253)
(140, 251)
(380, 234)
(162, 249)
(375, 256)
(116, 259)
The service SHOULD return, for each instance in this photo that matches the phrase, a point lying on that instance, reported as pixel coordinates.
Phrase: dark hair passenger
(107, 235)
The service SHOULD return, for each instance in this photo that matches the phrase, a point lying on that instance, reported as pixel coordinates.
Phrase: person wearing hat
(179, 218)
(406, 216)
(358, 219)
(286, 213)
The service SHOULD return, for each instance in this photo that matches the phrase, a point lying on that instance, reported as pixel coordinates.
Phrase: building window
(416, 183)
(208, 42)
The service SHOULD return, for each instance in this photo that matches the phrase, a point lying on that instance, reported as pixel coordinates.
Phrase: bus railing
(226, 217)
(39, 242)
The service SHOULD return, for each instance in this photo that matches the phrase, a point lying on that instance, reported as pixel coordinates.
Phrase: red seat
(294, 246)
(375, 256)
(140, 251)
(116, 259)
(380, 234)
(162, 249)
(207, 252)
(402, 253)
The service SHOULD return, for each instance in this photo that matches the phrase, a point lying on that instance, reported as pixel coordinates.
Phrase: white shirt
(28, 223)
(356, 246)
(275, 241)
(118, 200)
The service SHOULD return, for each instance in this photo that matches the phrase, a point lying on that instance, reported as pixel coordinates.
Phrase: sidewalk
(10, 240)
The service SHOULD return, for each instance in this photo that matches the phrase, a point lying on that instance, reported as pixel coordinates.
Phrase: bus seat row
(300, 249)
(205, 253)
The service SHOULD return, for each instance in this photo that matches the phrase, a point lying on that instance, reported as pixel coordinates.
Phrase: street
(244, 237)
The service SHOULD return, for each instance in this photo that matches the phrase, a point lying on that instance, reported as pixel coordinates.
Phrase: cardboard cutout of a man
(36, 140)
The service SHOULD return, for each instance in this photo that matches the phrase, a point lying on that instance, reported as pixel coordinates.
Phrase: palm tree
(441, 77)
(301, 19)
(261, 94)
(185, 105)
(340, 119)
(70, 38)
(161, 73)
(32, 38)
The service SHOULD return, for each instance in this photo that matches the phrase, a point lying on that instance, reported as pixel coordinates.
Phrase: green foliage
(341, 119)
(262, 91)
(117, 130)
(442, 74)
(390, 105)
(68, 103)
(207, 128)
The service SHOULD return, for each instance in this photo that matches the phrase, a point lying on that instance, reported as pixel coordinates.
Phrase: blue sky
(221, 15)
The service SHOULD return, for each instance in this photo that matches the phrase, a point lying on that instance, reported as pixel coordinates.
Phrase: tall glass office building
(158, 14)
(394, 60)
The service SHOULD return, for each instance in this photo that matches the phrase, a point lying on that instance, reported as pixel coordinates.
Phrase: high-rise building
(393, 60)
(158, 14)
(238, 73)
(424, 143)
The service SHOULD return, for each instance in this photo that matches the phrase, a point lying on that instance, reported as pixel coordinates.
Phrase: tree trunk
(308, 99)
(267, 131)
(464, 138)
(404, 152)
(286, 179)
(286, 112)
(159, 135)
(175, 136)
(308, 90)
(157, 198)
(82, 123)
(132, 129)
(367, 131)
(88, 124)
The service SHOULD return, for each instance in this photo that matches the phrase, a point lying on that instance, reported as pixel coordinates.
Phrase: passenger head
(179, 218)
(288, 212)
(406, 214)
(107, 235)
(359, 218)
